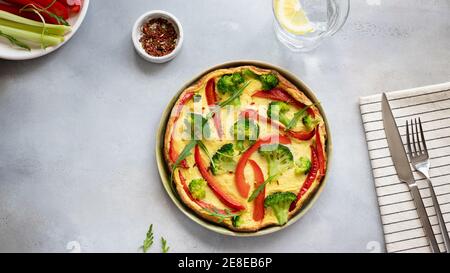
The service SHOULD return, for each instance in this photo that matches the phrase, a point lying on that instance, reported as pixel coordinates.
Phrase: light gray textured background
(77, 127)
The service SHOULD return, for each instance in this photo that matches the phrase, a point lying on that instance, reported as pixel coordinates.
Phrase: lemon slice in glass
(292, 17)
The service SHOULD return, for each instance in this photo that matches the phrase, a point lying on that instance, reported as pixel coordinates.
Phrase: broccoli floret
(279, 158)
(310, 122)
(237, 221)
(302, 165)
(223, 160)
(249, 74)
(229, 84)
(197, 188)
(245, 132)
(268, 81)
(197, 126)
(277, 111)
(280, 203)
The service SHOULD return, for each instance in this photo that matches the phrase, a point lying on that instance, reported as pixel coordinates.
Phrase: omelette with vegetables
(246, 148)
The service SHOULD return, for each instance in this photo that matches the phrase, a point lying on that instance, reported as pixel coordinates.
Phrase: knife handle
(423, 216)
(441, 220)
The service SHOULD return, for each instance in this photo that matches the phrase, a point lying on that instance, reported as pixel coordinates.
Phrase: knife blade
(403, 168)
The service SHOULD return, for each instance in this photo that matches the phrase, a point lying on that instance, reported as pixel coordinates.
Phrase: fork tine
(408, 141)
(424, 143)
(418, 138)
(413, 138)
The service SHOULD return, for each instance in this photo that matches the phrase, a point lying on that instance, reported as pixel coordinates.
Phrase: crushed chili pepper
(159, 37)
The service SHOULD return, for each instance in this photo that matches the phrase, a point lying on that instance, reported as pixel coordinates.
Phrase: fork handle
(440, 218)
(423, 216)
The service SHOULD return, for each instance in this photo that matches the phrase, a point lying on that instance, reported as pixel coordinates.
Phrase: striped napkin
(401, 226)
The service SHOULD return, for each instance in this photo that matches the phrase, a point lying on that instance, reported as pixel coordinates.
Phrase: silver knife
(403, 169)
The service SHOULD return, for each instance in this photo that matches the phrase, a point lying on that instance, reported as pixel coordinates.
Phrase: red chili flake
(159, 37)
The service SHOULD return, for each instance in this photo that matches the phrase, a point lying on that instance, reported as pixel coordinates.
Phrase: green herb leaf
(236, 95)
(15, 42)
(59, 19)
(164, 247)
(183, 155)
(298, 116)
(148, 242)
(261, 188)
(205, 149)
(221, 216)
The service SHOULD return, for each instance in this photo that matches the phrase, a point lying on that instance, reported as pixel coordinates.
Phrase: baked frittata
(246, 148)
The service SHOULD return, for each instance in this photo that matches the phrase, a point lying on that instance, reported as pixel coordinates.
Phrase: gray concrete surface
(77, 127)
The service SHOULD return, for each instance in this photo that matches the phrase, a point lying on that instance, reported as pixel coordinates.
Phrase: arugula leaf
(185, 153)
(220, 216)
(205, 149)
(148, 242)
(164, 247)
(59, 19)
(15, 42)
(260, 188)
(298, 116)
(233, 97)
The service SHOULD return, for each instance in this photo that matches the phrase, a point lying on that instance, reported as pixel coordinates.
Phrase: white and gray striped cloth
(402, 229)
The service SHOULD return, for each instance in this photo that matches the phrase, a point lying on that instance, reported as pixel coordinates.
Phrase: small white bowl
(137, 33)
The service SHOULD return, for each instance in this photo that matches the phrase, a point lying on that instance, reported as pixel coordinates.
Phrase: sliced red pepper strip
(302, 135)
(173, 154)
(241, 184)
(253, 114)
(213, 184)
(258, 211)
(211, 99)
(52, 6)
(27, 14)
(201, 203)
(309, 179)
(320, 154)
(279, 94)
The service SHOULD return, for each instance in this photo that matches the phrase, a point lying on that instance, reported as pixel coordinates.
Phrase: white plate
(7, 52)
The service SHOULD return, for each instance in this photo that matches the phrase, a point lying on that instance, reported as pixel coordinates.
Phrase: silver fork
(418, 153)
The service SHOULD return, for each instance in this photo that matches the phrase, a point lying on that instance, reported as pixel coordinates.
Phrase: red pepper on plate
(14, 9)
(241, 184)
(309, 179)
(173, 154)
(213, 184)
(211, 99)
(278, 94)
(258, 211)
(50, 5)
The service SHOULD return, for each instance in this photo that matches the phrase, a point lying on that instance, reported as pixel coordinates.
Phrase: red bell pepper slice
(173, 154)
(309, 179)
(253, 114)
(211, 99)
(242, 186)
(213, 184)
(302, 135)
(27, 14)
(258, 211)
(279, 94)
(201, 203)
(320, 153)
(52, 6)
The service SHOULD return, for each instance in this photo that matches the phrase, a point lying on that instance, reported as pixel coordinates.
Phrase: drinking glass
(323, 19)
